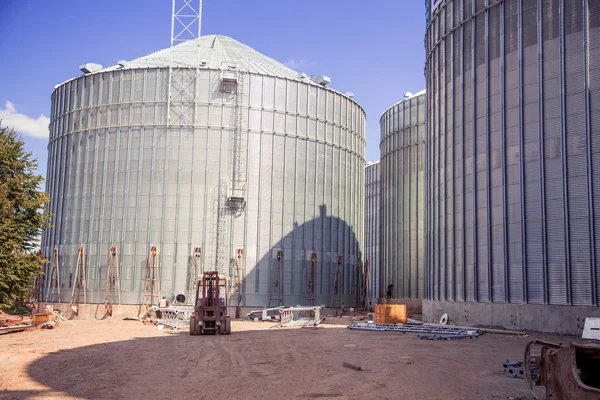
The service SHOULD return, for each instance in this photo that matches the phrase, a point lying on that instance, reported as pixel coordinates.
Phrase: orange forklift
(210, 309)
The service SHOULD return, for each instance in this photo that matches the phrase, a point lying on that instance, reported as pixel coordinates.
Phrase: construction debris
(445, 332)
(266, 314)
(15, 328)
(175, 317)
(482, 330)
(352, 366)
(292, 316)
(473, 335)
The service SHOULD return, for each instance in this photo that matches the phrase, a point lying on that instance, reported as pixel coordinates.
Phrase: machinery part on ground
(291, 316)
(209, 316)
(266, 314)
(568, 372)
(447, 330)
(516, 369)
(173, 316)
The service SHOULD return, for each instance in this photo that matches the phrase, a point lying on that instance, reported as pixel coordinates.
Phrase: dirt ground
(117, 359)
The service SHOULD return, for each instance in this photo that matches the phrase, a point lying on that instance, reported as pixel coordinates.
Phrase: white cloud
(37, 128)
(300, 64)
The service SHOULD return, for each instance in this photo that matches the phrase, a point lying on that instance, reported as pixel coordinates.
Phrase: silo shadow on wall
(326, 236)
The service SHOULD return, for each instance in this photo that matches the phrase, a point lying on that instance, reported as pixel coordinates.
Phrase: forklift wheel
(228, 326)
(193, 326)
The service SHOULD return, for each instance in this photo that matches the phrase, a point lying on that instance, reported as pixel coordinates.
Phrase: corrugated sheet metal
(525, 133)
(108, 157)
(402, 187)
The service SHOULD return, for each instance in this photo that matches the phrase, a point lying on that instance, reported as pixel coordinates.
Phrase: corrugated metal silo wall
(513, 152)
(402, 150)
(117, 177)
(372, 226)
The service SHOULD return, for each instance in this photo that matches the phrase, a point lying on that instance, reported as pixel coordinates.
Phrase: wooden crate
(390, 314)
(42, 318)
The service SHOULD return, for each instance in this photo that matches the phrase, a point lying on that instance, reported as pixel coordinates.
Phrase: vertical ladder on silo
(152, 281)
(79, 287)
(276, 290)
(196, 271)
(311, 280)
(238, 281)
(54, 281)
(337, 284)
(113, 282)
(239, 144)
(223, 211)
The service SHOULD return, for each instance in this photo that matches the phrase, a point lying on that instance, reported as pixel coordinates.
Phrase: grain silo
(373, 227)
(402, 148)
(261, 159)
(513, 189)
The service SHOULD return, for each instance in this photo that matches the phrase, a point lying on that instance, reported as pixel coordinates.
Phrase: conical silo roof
(216, 51)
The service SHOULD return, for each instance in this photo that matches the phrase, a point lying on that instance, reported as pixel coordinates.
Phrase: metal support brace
(113, 283)
(152, 282)
(276, 292)
(337, 286)
(311, 280)
(79, 285)
(54, 281)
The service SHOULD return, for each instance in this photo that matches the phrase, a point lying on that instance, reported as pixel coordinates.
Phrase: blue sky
(371, 48)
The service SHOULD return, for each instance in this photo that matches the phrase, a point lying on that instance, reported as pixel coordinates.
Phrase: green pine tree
(23, 216)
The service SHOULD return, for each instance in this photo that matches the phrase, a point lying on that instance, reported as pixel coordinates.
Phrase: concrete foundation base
(542, 318)
(98, 311)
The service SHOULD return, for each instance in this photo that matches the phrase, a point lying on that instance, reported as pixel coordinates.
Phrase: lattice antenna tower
(184, 62)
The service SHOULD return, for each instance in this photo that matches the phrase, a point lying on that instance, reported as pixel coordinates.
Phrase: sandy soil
(116, 359)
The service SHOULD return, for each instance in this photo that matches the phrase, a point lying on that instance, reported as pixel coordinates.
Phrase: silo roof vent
(321, 80)
(302, 75)
(407, 95)
(90, 68)
(349, 94)
(121, 63)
